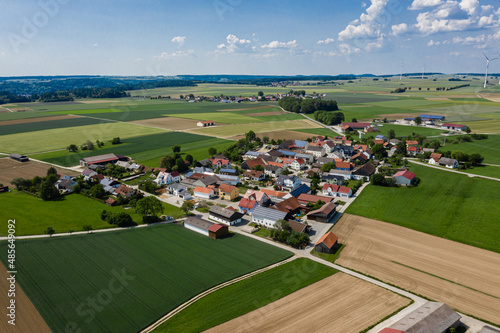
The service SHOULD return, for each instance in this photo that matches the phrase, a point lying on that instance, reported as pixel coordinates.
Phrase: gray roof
(176, 186)
(210, 180)
(281, 179)
(224, 212)
(268, 213)
(447, 161)
(199, 223)
(325, 160)
(489, 329)
(306, 156)
(314, 148)
(92, 159)
(430, 317)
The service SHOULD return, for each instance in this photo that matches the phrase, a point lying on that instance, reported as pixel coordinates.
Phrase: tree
(187, 206)
(97, 191)
(391, 134)
(354, 120)
(89, 144)
(378, 179)
(418, 121)
(475, 159)
(379, 151)
(250, 136)
(327, 166)
(189, 158)
(149, 187)
(467, 129)
(265, 139)
(167, 162)
(401, 148)
(48, 191)
(149, 206)
(260, 93)
(176, 149)
(72, 148)
(212, 151)
(51, 171)
(49, 231)
(116, 141)
(88, 228)
(282, 225)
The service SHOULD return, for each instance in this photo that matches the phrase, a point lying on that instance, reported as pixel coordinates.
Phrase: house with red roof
(405, 178)
(345, 166)
(246, 206)
(413, 150)
(206, 123)
(327, 243)
(203, 192)
(454, 127)
(220, 163)
(304, 199)
(434, 158)
(337, 191)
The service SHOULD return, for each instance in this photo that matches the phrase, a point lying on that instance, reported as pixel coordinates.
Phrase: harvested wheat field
(27, 317)
(339, 303)
(284, 135)
(10, 169)
(494, 97)
(170, 123)
(35, 120)
(462, 276)
(437, 98)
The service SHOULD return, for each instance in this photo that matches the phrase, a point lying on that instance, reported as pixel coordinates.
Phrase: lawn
(142, 148)
(135, 276)
(247, 295)
(71, 212)
(219, 117)
(406, 131)
(444, 204)
(32, 142)
(483, 126)
(488, 148)
(233, 130)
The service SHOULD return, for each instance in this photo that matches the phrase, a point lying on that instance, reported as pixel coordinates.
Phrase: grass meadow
(134, 276)
(444, 204)
(247, 295)
(71, 212)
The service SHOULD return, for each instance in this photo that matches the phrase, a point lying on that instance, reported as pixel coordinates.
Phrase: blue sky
(58, 37)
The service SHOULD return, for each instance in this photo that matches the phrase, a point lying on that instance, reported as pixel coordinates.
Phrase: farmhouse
(324, 214)
(65, 184)
(210, 229)
(267, 216)
(454, 127)
(246, 206)
(206, 123)
(224, 215)
(289, 206)
(434, 158)
(354, 126)
(363, 172)
(228, 192)
(124, 191)
(426, 117)
(251, 164)
(316, 151)
(19, 158)
(327, 243)
(207, 181)
(299, 227)
(448, 162)
(203, 192)
(405, 178)
(101, 160)
(305, 198)
(254, 175)
(260, 196)
(430, 317)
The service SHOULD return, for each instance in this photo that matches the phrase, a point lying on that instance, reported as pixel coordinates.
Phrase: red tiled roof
(300, 160)
(253, 163)
(226, 188)
(272, 193)
(343, 165)
(407, 174)
(275, 164)
(175, 174)
(246, 203)
(216, 227)
(411, 142)
(313, 198)
(344, 189)
(202, 189)
(436, 156)
(329, 239)
(391, 330)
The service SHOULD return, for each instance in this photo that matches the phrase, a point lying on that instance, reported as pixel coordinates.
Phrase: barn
(19, 158)
(207, 228)
(100, 160)
(432, 317)
(404, 178)
(224, 215)
(324, 214)
(327, 243)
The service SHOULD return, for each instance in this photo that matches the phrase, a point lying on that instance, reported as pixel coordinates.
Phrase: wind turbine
(402, 67)
(487, 67)
(423, 72)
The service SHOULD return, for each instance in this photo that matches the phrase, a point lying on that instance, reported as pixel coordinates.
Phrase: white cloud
(485, 20)
(469, 40)
(346, 49)
(486, 8)
(433, 43)
(469, 6)
(221, 46)
(368, 25)
(430, 23)
(179, 40)
(375, 45)
(234, 44)
(95, 45)
(326, 41)
(498, 11)
(399, 29)
(281, 45)
(233, 40)
(420, 4)
(176, 54)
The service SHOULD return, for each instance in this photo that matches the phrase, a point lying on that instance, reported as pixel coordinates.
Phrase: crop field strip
(48, 125)
(172, 256)
(444, 204)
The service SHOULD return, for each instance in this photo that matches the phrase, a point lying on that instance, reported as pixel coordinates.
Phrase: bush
(148, 219)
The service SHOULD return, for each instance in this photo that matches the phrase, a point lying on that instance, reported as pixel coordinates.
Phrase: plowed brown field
(10, 169)
(340, 303)
(35, 120)
(462, 276)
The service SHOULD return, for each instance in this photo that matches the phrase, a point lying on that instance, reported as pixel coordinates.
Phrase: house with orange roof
(246, 206)
(228, 192)
(203, 192)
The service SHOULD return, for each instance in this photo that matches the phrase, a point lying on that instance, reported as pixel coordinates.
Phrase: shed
(327, 243)
(198, 225)
(432, 317)
(218, 231)
(324, 214)
(18, 157)
(404, 177)
(299, 227)
(224, 215)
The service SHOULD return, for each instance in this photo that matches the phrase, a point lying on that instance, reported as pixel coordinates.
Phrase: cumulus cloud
(368, 25)
(281, 45)
(399, 29)
(326, 41)
(232, 39)
(233, 44)
(485, 21)
(376, 44)
(469, 40)
(469, 6)
(176, 54)
(433, 43)
(421, 4)
(347, 49)
(179, 40)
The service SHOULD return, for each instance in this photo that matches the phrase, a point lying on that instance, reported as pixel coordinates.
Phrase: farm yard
(247, 295)
(145, 273)
(338, 303)
(444, 204)
(29, 320)
(462, 276)
(11, 169)
(64, 214)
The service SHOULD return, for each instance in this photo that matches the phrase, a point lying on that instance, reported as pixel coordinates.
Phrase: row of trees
(89, 145)
(41, 186)
(328, 118)
(297, 105)
(283, 233)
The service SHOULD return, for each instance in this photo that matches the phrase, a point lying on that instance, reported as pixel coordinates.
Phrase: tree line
(307, 106)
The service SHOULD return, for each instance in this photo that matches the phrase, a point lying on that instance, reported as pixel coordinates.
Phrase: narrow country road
(452, 170)
(331, 128)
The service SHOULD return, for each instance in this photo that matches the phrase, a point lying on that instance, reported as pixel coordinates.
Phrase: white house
(203, 192)
(337, 191)
(267, 216)
(165, 178)
(288, 182)
(450, 163)
(434, 158)
(298, 164)
(316, 151)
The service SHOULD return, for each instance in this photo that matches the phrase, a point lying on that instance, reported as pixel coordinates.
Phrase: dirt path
(27, 317)
(340, 303)
(462, 276)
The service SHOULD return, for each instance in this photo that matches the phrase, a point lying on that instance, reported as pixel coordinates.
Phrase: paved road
(454, 171)
(331, 128)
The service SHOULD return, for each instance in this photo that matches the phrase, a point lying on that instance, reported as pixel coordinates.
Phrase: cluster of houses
(438, 159)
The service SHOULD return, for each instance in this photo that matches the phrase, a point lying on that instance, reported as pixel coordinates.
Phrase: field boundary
(211, 290)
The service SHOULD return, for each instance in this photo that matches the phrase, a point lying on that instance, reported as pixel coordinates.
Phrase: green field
(406, 131)
(88, 111)
(218, 117)
(488, 148)
(145, 150)
(484, 126)
(47, 125)
(71, 212)
(247, 295)
(444, 204)
(135, 276)
(32, 142)
(281, 117)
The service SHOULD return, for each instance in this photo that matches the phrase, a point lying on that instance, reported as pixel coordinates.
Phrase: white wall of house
(204, 195)
(196, 229)
(263, 221)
